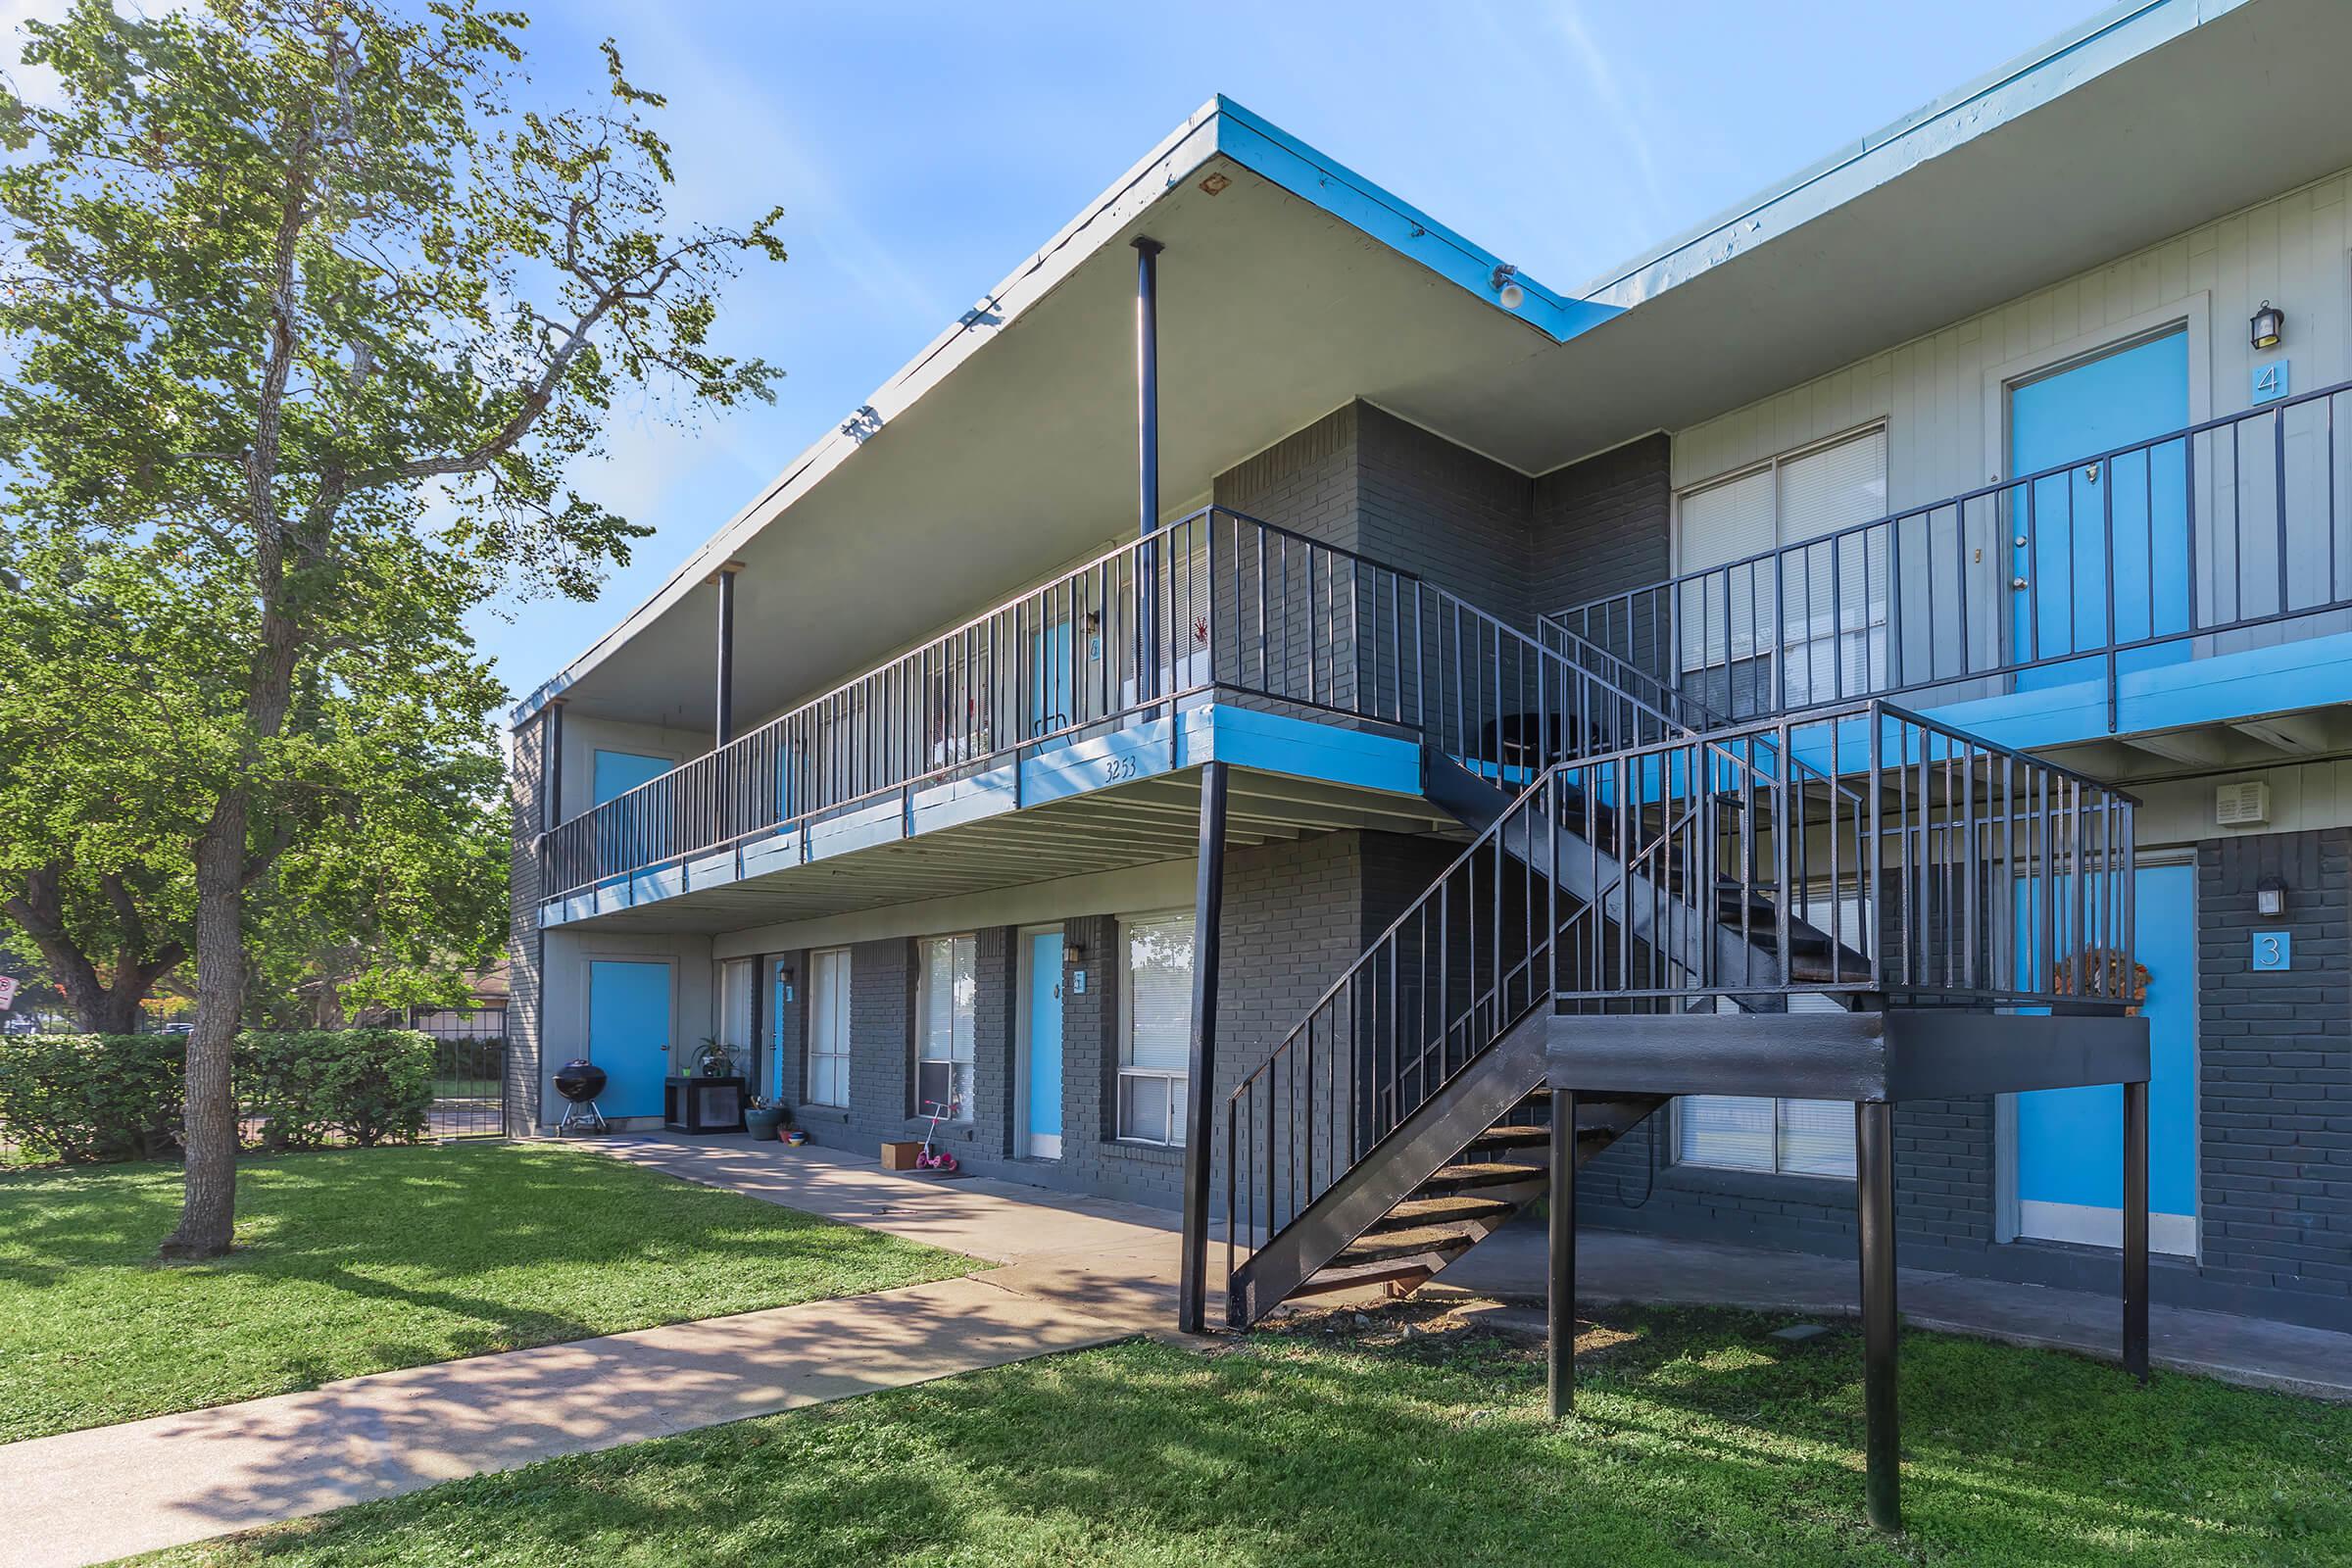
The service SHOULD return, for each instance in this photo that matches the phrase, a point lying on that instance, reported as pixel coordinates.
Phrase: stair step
(1447, 1241)
(1416, 1213)
(1473, 1174)
(1512, 1137)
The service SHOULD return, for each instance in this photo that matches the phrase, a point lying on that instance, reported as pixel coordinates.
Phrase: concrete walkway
(1072, 1273)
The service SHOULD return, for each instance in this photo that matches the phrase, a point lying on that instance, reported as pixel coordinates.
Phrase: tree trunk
(207, 1210)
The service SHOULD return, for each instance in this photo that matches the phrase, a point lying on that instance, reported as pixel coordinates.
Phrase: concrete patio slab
(1614, 1266)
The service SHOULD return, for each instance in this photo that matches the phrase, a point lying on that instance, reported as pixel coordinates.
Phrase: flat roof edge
(2102, 43)
(1219, 127)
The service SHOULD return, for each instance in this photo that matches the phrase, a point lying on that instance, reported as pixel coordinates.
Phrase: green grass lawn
(1697, 1441)
(358, 1261)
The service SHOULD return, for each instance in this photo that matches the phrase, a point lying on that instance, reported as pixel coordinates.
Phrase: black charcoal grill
(579, 1081)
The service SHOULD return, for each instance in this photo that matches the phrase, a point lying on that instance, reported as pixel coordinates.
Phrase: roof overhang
(1292, 284)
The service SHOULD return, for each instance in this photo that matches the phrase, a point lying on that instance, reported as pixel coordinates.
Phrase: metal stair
(1423, 1183)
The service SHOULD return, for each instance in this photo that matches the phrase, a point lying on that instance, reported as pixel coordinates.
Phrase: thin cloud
(1609, 81)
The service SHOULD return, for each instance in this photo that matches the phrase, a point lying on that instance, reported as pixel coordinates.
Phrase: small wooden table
(698, 1104)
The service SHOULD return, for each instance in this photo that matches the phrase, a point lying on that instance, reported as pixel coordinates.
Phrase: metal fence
(2224, 535)
(469, 1070)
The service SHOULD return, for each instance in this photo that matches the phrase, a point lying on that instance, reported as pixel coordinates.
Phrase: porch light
(1505, 282)
(2269, 898)
(2269, 325)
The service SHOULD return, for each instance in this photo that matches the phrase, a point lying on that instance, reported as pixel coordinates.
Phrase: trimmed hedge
(81, 1097)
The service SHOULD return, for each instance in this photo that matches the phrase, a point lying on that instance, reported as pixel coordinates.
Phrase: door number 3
(2274, 950)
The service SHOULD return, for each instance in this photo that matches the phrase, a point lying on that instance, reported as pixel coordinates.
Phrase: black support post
(1873, 1185)
(1560, 1298)
(1146, 463)
(2135, 1230)
(1876, 1200)
(1209, 909)
(725, 720)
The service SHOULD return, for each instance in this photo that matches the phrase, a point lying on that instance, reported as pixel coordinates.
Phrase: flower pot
(761, 1124)
(795, 1136)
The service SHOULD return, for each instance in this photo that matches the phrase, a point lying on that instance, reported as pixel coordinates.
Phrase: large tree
(304, 308)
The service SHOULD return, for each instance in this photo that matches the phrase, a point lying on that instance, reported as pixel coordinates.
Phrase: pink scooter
(931, 1158)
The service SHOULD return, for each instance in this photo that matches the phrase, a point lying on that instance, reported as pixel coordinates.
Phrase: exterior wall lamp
(1505, 282)
(2268, 325)
(2269, 898)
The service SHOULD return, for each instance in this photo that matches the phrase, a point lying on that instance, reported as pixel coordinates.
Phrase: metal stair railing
(1867, 853)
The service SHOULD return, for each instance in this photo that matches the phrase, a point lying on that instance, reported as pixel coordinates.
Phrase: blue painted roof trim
(1221, 128)
(1265, 148)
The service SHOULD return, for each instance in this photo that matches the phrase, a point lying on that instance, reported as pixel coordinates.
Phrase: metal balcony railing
(1222, 603)
(1863, 856)
(2203, 540)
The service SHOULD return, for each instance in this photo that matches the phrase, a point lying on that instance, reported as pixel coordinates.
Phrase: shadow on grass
(353, 1261)
(1694, 1442)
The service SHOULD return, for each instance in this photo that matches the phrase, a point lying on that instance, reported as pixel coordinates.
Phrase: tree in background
(308, 323)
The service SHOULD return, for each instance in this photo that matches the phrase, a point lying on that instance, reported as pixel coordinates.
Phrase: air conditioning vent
(2242, 804)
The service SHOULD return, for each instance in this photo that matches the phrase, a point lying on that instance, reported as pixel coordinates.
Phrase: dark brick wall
(525, 783)
(1305, 482)
(1601, 527)
(2275, 1070)
(1459, 519)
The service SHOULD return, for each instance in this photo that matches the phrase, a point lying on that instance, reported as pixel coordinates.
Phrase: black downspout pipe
(724, 726)
(550, 765)
(1208, 910)
(1147, 463)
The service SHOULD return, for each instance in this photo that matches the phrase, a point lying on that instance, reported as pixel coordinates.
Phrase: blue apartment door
(611, 774)
(1043, 1111)
(629, 1033)
(2070, 1141)
(2072, 576)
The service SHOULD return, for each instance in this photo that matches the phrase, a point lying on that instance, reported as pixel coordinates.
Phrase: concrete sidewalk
(1072, 1273)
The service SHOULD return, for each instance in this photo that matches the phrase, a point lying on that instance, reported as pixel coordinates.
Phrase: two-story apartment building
(2019, 416)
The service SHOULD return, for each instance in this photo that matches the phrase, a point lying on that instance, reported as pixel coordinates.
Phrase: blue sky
(921, 151)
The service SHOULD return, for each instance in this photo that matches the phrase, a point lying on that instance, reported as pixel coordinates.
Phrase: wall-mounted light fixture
(2268, 325)
(1505, 282)
(2269, 898)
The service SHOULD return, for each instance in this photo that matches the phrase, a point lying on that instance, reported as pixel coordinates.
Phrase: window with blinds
(1821, 601)
(947, 994)
(1793, 1137)
(1156, 1030)
(828, 1075)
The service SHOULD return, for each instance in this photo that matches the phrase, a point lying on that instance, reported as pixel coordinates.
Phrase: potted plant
(763, 1116)
(794, 1133)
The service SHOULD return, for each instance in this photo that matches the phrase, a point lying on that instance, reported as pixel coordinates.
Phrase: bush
(299, 1089)
(93, 1096)
(82, 1098)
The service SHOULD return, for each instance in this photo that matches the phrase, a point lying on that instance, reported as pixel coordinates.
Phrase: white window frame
(962, 1060)
(812, 1054)
(1773, 637)
(1848, 916)
(1172, 1135)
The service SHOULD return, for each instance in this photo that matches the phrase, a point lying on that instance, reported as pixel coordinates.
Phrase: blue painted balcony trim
(1143, 748)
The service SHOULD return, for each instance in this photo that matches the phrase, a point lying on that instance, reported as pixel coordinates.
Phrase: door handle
(2017, 583)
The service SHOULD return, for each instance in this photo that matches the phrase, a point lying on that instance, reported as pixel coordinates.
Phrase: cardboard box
(900, 1154)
